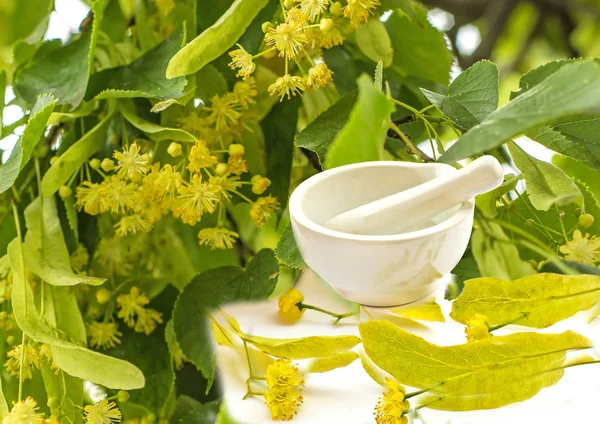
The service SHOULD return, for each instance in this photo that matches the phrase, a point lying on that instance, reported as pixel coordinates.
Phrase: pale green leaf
(429, 311)
(153, 131)
(72, 216)
(287, 250)
(547, 184)
(216, 39)
(84, 109)
(571, 90)
(330, 363)
(486, 202)
(363, 136)
(377, 374)
(546, 298)
(374, 42)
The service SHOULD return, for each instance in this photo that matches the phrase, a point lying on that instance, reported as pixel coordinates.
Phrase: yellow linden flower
(24, 412)
(318, 76)
(130, 161)
(392, 406)
(288, 306)
(200, 157)
(287, 37)
(167, 181)
(132, 224)
(31, 361)
(477, 328)
(118, 195)
(103, 412)
(284, 386)
(245, 92)
(225, 185)
(217, 238)
(195, 124)
(224, 111)
(295, 15)
(260, 184)
(147, 320)
(194, 199)
(46, 353)
(358, 11)
(262, 209)
(133, 312)
(582, 249)
(104, 335)
(287, 85)
(312, 8)
(90, 197)
(242, 60)
(237, 164)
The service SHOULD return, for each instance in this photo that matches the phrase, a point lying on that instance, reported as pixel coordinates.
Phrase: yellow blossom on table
(312, 8)
(194, 199)
(31, 361)
(289, 310)
(104, 335)
(90, 198)
(262, 209)
(284, 387)
(392, 406)
(167, 181)
(287, 37)
(132, 224)
(245, 92)
(287, 85)
(118, 195)
(224, 111)
(477, 328)
(318, 76)
(24, 412)
(200, 157)
(217, 238)
(237, 164)
(582, 249)
(243, 61)
(358, 11)
(129, 161)
(103, 412)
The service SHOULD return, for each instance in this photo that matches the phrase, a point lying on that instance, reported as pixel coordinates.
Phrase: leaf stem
(407, 141)
(338, 317)
(496, 327)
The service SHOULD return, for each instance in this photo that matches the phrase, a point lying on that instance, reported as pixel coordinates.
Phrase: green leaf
(472, 96)
(320, 133)
(212, 83)
(430, 311)
(330, 363)
(547, 184)
(63, 72)
(2, 97)
(72, 358)
(153, 131)
(486, 202)
(75, 156)
(85, 109)
(215, 40)
(189, 410)
(578, 171)
(211, 289)
(478, 375)
(571, 90)
(464, 270)
(374, 42)
(547, 298)
(72, 216)
(287, 250)
(551, 267)
(363, 136)
(496, 255)
(44, 105)
(144, 77)
(419, 49)
(44, 248)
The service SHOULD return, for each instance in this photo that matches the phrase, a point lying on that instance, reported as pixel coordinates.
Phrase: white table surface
(348, 395)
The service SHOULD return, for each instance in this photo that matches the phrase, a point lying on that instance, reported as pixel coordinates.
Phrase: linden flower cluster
(307, 27)
(392, 406)
(583, 249)
(284, 386)
(31, 357)
(477, 328)
(139, 193)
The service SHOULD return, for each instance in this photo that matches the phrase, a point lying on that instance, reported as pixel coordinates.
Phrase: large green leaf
(144, 77)
(363, 136)
(419, 49)
(72, 358)
(63, 72)
(212, 289)
(478, 375)
(547, 184)
(19, 157)
(472, 96)
(374, 42)
(486, 202)
(215, 40)
(546, 298)
(287, 250)
(320, 133)
(571, 90)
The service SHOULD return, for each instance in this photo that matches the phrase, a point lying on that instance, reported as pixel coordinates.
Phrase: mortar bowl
(377, 270)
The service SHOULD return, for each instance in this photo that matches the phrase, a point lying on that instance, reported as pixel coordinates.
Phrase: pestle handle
(398, 212)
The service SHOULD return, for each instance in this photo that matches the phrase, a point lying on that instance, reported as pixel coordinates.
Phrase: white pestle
(398, 212)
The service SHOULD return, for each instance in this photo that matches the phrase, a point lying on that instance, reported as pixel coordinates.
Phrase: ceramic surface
(378, 270)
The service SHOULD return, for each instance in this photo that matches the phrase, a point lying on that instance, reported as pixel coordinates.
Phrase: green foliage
(287, 250)
(374, 42)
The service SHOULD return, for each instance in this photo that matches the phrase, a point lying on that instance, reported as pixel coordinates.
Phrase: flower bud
(151, 418)
(585, 220)
(123, 396)
(10, 340)
(174, 149)
(236, 149)
(326, 25)
(336, 8)
(53, 160)
(107, 165)
(65, 191)
(103, 296)
(530, 223)
(289, 3)
(259, 184)
(266, 26)
(95, 163)
(221, 169)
